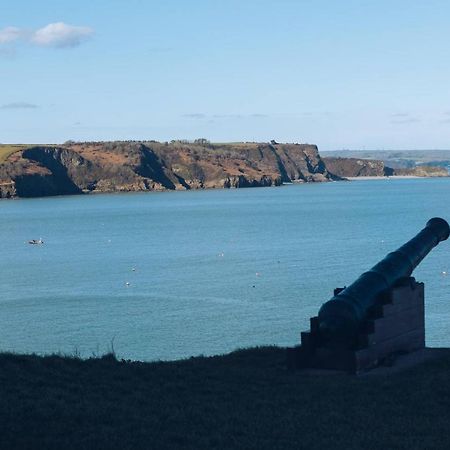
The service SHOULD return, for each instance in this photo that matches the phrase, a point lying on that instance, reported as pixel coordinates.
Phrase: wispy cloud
(406, 120)
(227, 116)
(56, 35)
(9, 34)
(159, 49)
(224, 116)
(195, 116)
(403, 118)
(61, 35)
(19, 105)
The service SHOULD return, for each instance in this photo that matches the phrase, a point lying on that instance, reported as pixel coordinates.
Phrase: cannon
(340, 317)
(360, 324)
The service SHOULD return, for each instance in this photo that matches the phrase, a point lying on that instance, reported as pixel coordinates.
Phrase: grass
(246, 399)
(6, 150)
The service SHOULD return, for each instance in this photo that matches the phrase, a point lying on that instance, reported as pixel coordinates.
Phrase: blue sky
(347, 74)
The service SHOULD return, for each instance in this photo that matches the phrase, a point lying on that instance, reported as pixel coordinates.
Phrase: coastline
(364, 178)
(209, 188)
(138, 166)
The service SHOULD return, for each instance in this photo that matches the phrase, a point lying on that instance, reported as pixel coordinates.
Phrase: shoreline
(364, 178)
(162, 191)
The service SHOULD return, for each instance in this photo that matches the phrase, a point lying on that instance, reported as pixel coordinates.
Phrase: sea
(170, 275)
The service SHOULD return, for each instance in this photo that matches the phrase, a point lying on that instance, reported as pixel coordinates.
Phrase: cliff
(355, 167)
(153, 166)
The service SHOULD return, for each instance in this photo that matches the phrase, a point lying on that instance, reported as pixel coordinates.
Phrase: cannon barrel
(341, 317)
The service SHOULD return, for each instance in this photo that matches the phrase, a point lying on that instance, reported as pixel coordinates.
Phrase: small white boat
(36, 241)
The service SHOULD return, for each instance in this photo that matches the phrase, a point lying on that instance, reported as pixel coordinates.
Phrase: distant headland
(131, 166)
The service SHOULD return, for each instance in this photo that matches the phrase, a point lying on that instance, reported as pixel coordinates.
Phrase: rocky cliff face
(8, 190)
(353, 167)
(140, 166)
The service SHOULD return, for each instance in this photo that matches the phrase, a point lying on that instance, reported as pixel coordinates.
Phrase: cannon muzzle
(342, 317)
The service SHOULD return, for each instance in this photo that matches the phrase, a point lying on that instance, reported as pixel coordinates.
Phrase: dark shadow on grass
(246, 399)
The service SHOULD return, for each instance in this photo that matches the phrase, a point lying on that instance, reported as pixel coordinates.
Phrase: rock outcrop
(152, 166)
(8, 190)
(354, 167)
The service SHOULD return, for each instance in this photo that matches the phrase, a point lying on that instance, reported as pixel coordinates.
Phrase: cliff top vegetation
(6, 150)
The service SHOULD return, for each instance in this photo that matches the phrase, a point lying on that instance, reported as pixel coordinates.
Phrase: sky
(339, 74)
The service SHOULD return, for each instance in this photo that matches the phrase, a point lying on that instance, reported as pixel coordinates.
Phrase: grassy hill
(6, 150)
(246, 399)
(397, 158)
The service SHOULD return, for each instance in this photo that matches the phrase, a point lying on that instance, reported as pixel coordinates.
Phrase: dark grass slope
(245, 400)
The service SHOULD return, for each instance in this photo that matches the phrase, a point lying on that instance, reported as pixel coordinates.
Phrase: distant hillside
(359, 167)
(398, 158)
(423, 171)
(76, 168)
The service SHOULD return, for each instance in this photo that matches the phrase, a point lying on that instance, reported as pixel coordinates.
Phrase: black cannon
(341, 317)
(377, 317)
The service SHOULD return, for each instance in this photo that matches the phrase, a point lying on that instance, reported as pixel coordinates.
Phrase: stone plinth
(395, 325)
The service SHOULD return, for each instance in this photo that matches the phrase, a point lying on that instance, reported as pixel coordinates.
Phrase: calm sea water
(207, 271)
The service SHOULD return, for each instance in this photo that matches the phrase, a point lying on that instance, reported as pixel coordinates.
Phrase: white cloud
(57, 35)
(9, 34)
(61, 35)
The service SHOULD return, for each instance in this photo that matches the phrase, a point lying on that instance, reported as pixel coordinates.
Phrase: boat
(36, 241)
